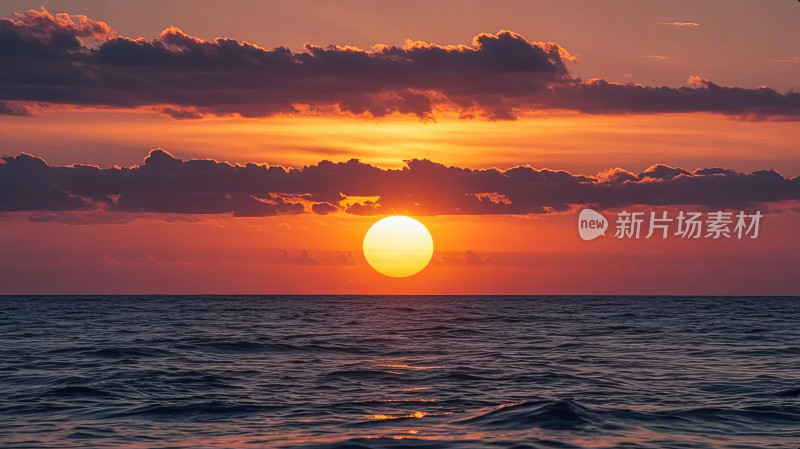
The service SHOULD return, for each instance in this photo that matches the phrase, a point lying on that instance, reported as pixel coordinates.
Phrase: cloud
(63, 30)
(26, 184)
(699, 95)
(283, 257)
(14, 108)
(305, 259)
(471, 259)
(74, 60)
(165, 184)
(324, 208)
(681, 24)
(788, 60)
(345, 258)
(338, 258)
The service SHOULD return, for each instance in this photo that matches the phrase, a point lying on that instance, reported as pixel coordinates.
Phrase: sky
(201, 147)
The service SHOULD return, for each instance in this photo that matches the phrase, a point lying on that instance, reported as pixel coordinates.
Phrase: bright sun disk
(398, 246)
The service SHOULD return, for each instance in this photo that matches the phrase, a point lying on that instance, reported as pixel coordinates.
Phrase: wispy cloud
(788, 60)
(681, 24)
(656, 57)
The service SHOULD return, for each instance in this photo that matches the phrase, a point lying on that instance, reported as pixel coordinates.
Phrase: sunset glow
(276, 147)
(378, 224)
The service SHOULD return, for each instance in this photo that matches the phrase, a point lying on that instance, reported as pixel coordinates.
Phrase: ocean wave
(192, 411)
(125, 352)
(369, 372)
(560, 415)
(78, 391)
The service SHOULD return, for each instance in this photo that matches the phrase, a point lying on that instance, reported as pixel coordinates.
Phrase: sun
(398, 246)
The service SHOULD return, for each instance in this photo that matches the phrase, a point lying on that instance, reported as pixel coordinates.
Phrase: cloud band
(74, 60)
(165, 184)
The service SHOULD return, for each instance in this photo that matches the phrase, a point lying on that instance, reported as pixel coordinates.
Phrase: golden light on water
(398, 246)
(382, 417)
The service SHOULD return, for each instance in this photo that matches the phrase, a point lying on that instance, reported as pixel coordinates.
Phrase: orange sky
(574, 142)
(522, 254)
(741, 44)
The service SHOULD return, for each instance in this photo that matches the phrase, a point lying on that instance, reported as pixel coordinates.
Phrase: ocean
(399, 372)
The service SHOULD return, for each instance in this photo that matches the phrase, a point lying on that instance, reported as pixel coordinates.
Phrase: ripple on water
(399, 372)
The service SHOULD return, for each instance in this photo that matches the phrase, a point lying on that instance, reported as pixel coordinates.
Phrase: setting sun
(398, 246)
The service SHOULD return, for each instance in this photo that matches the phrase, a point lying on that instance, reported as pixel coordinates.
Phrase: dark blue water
(400, 372)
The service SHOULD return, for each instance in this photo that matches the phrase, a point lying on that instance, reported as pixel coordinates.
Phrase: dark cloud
(665, 172)
(324, 208)
(74, 60)
(700, 95)
(26, 183)
(14, 108)
(469, 258)
(165, 184)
